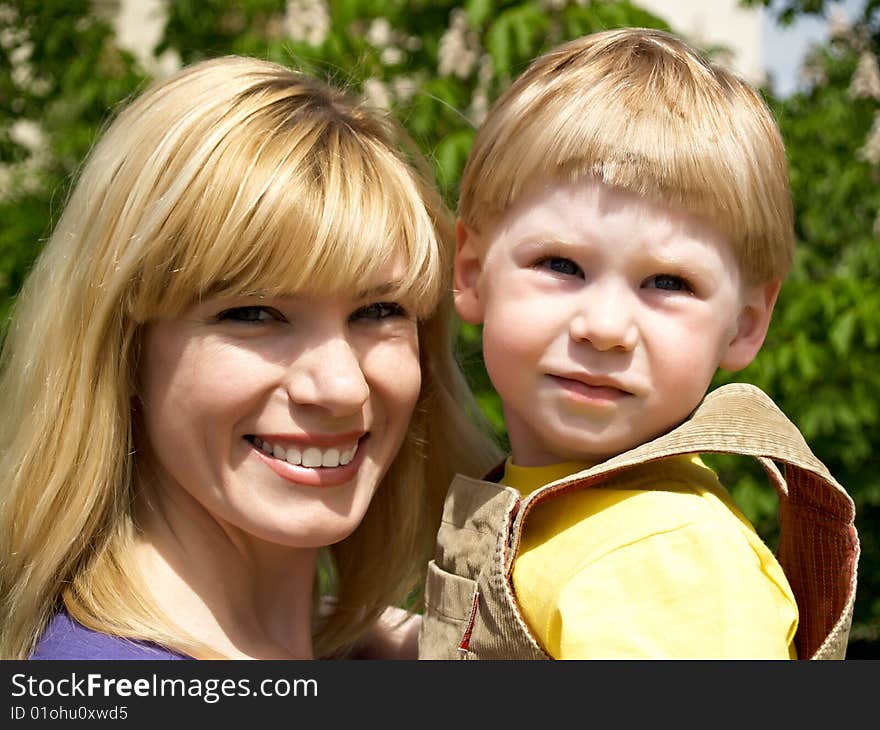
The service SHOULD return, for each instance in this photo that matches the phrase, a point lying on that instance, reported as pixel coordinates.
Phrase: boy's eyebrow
(533, 247)
(537, 243)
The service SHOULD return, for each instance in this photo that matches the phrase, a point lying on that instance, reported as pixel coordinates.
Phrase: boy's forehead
(562, 208)
(588, 221)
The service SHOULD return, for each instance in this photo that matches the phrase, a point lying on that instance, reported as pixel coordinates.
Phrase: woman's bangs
(349, 221)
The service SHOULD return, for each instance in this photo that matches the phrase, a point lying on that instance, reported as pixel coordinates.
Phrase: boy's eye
(250, 315)
(667, 282)
(560, 265)
(379, 310)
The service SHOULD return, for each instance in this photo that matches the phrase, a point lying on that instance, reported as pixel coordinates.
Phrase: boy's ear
(754, 320)
(466, 276)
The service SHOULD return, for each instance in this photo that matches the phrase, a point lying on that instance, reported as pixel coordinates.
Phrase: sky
(785, 47)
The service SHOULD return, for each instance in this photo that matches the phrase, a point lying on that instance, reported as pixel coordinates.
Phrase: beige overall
(470, 608)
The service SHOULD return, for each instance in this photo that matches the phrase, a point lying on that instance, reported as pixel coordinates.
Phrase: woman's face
(280, 416)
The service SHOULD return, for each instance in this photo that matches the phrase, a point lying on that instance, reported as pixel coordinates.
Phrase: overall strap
(818, 545)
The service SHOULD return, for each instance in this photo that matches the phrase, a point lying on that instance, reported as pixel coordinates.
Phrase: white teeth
(310, 457)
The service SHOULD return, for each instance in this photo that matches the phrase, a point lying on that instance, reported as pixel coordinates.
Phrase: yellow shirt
(658, 563)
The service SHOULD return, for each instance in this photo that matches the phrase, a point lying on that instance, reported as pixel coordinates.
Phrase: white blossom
(389, 41)
(29, 134)
(838, 22)
(379, 33)
(8, 14)
(307, 20)
(479, 107)
(391, 56)
(866, 79)
(376, 93)
(22, 75)
(459, 47)
(24, 176)
(12, 37)
(870, 151)
(21, 53)
(404, 88)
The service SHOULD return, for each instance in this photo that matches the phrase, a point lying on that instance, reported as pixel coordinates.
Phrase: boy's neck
(528, 478)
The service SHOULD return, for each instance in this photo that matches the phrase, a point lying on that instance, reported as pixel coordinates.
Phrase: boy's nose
(605, 322)
(329, 376)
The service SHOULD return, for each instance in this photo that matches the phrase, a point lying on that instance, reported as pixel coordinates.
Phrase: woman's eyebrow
(380, 290)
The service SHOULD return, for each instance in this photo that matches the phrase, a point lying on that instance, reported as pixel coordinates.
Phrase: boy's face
(605, 317)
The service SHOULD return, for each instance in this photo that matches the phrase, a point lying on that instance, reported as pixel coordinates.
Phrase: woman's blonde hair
(641, 110)
(233, 176)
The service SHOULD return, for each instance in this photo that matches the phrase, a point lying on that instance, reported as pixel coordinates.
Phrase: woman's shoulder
(67, 639)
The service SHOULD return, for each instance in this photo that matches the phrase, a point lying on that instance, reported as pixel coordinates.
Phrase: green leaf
(478, 12)
(841, 332)
(451, 154)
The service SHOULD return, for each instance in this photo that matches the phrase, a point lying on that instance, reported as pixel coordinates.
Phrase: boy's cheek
(512, 341)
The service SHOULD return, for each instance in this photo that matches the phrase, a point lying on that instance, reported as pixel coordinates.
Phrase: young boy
(625, 226)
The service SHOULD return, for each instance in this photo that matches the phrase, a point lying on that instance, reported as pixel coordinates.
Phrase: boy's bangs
(701, 153)
(651, 157)
(332, 216)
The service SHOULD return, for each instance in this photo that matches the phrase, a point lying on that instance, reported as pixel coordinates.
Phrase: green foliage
(821, 360)
(395, 50)
(59, 66)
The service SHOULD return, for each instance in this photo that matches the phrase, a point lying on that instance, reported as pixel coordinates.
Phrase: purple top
(65, 638)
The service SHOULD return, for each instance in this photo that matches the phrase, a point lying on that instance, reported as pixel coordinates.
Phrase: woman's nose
(605, 320)
(329, 376)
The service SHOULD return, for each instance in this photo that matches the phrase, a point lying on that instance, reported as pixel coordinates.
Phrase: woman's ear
(752, 325)
(466, 277)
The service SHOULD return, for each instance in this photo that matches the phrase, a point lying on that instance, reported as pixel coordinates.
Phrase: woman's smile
(306, 463)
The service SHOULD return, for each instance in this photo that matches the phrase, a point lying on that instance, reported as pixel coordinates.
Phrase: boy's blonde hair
(233, 176)
(641, 110)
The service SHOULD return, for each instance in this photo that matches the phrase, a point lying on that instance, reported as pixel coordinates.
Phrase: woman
(231, 360)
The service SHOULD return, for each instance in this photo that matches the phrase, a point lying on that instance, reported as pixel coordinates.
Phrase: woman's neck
(242, 597)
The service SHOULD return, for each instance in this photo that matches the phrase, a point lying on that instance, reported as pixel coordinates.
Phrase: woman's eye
(560, 265)
(379, 310)
(667, 282)
(251, 314)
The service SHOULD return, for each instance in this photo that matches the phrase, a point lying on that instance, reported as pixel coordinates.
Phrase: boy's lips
(594, 381)
(589, 387)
